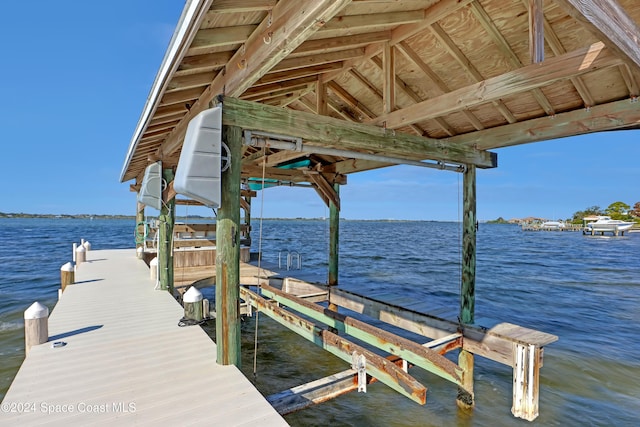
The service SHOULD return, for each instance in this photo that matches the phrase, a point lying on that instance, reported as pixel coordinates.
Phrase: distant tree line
(616, 210)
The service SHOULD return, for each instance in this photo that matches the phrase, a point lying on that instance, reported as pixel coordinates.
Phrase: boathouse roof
(460, 75)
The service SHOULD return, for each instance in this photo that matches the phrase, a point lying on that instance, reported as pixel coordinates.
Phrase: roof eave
(187, 27)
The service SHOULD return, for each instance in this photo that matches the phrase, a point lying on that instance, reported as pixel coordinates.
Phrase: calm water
(584, 289)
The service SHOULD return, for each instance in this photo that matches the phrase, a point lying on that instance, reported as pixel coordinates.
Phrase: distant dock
(124, 360)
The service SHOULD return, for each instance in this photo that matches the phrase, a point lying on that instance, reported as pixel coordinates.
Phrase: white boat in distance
(552, 225)
(605, 223)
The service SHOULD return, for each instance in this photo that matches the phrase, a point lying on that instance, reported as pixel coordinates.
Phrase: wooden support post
(334, 240)
(527, 359)
(81, 255)
(192, 301)
(228, 255)
(36, 326)
(67, 275)
(165, 244)
(140, 227)
(465, 397)
(247, 221)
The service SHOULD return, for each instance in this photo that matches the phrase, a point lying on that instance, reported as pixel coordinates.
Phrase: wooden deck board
(124, 346)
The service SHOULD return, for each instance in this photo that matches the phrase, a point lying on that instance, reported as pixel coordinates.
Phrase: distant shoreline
(198, 217)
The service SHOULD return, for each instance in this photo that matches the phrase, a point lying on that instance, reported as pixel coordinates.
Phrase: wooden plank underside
(334, 133)
(376, 366)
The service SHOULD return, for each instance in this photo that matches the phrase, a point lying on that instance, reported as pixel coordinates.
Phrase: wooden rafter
(536, 31)
(325, 189)
(533, 76)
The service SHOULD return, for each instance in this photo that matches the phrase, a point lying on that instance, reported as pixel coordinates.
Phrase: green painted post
(139, 232)
(334, 239)
(165, 229)
(467, 295)
(465, 398)
(228, 255)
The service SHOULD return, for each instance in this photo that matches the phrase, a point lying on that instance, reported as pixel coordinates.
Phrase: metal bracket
(359, 364)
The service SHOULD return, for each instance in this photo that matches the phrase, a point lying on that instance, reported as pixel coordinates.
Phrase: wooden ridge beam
(576, 63)
(376, 366)
(335, 133)
(609, 22)
(288, 26)
(393, 344)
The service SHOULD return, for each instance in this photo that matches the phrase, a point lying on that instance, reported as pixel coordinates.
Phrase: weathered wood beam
(298, 73)
(350, 100)
(605, 117)
(408, 350)
(576, 63)
(336, 133)
(277, 88)
(321, 98)
(289, 24)
(609, 22)
(494, 343)
(376, 366)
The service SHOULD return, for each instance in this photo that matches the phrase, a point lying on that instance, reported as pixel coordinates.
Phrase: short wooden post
(526, 380)
(87, 245)
(36, 326)
(67, 275)
(81, 255)
(192, 300)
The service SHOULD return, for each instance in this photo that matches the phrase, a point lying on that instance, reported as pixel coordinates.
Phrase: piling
(87, 245)
(67, 275)
(36, 325)
(153, 268)
(192, 300)
(81, 255)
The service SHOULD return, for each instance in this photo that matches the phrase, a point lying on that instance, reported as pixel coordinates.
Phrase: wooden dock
(126, 361)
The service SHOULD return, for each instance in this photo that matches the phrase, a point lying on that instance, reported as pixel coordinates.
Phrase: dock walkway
(126, 361)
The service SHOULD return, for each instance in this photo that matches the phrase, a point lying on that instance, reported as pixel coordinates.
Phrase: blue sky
(75, 78)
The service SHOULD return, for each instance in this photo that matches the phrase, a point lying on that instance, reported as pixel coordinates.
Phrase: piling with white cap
(36, 325)
(67, 275)
(153, 268)
(87, 245)
(192, 300)
(81, 255)
(140, 252)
